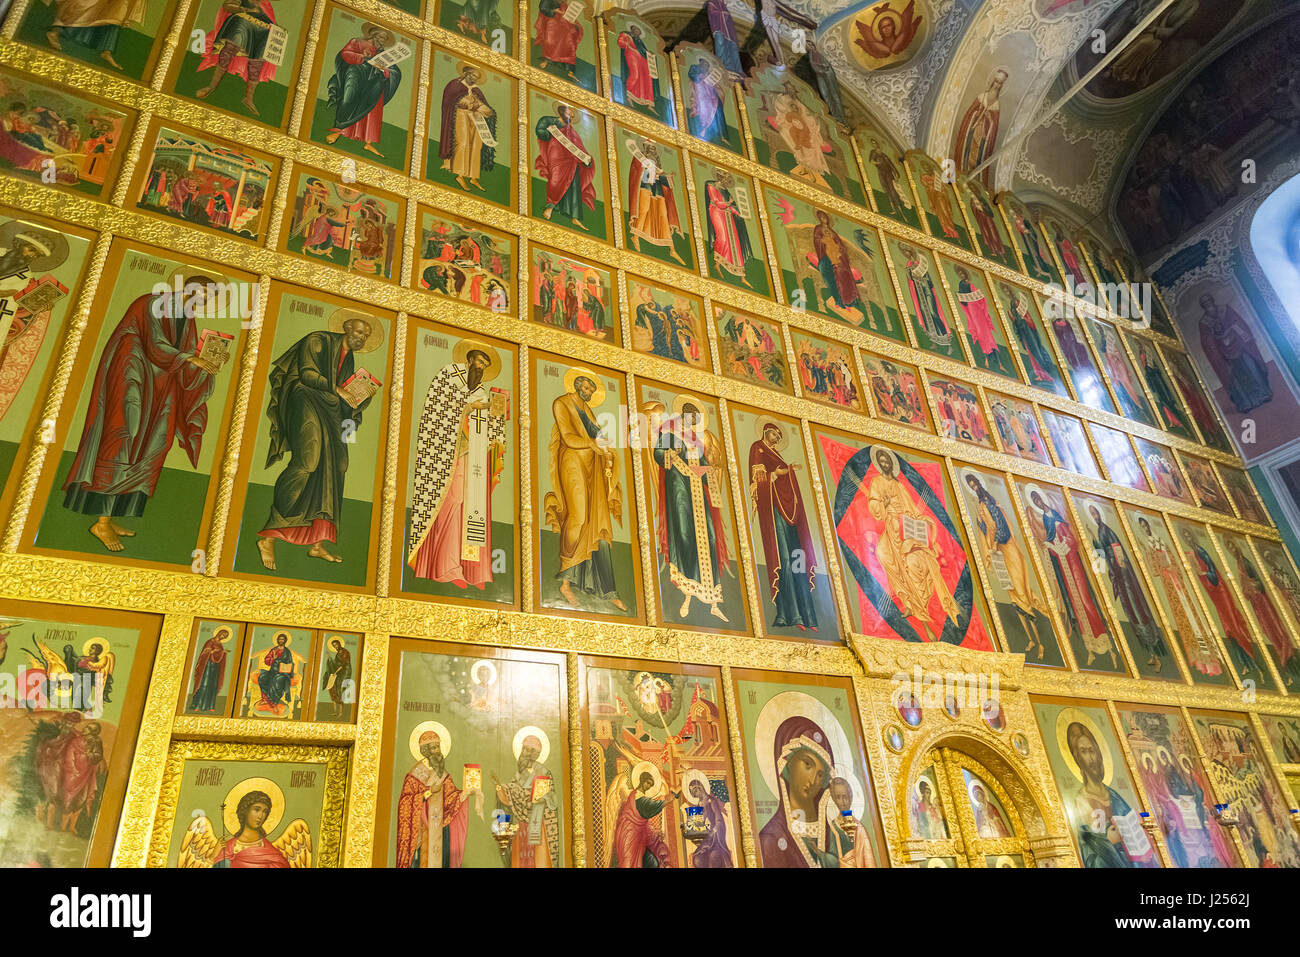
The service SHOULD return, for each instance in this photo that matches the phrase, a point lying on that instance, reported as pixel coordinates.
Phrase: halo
(893, 457)
(783, 441)
(926, 777)
(644, 767)
(886, 14)
(54, 245)
(235, 794)
(85, 648)
(1005, 860)
(859, 798)
(786, 704)
(679, 400)
(693, 774)
(288, 638)
(444, 738)
(340, 316)
(1030, 489)
(597, 397)
(230, 633)
(524, 732)
(976, 781)
(937, 862)
(186, 273)
(1063, 721)
(489, 666)
(464, 347)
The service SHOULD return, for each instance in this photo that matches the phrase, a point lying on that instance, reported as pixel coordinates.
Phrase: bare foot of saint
(566, 590)
(103, 530)
(123, 532)
(370, 148)
(578, 223)
(320, 551)
(332, 138)
(266, 546)
(546, 213)
(618, 603)
(107, 57)
(686, 607)
(716, 612)
(52, 38)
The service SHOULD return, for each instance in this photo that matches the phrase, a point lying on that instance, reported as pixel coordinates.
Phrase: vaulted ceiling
(1059, 143)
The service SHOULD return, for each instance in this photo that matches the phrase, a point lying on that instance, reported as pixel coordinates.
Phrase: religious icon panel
(1035, 255)
(1117, 455)
(460, 458)
(896, 391)
(1030, 339)
(1070, 443)
(1017, 428)
(472, 131)
(785, 534)
(361, 98)
(586, 558)
(474, 764)
(793, 133)
(752, 350)
(638, 66)
(572, 294)
(812, 801)
(958, 412)
(933, 323)
(733, 247)
(567, 184)
(658, 772)
(990, 231)
(248, 60)
(1270, 623)
(250, 805)
(354, 229)
(890, 189)
(306, 499)
(60, 138)
(708, 97)
(65, 750)
(1205, 484)
(1166, 477)
(943, 216)
(274, 675)
(212, 667)
(826, 371)
(822, 273)
(461, 260)
(667, 323)
(693, 526)
(905, 557)
(656, 202)
(984, 335)
(140, 444)
(205, 182)
(1101, 803)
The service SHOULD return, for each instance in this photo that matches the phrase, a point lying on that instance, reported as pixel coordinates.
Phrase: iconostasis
(468, 435)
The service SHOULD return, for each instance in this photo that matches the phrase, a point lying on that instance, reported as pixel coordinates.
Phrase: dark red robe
(144, 397)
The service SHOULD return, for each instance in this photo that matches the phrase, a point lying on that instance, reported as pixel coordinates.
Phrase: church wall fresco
(519, 514)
